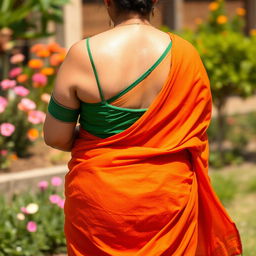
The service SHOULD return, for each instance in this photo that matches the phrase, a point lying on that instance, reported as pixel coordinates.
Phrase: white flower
(20, 216)
(18, 249)
(32, 208)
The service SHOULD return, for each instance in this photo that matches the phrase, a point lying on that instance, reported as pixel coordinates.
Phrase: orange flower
(37, 47)
(198, 21)
(222, 19)
(13, 157)
(22, 78)
(54, 47)
(240, 11)
(213, 6)
(56, 59)
(253, 32)
(43, 53)
(33, 134)
(35, 63)
(47, 71)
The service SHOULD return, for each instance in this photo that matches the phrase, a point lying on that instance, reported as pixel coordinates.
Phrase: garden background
(35, 36)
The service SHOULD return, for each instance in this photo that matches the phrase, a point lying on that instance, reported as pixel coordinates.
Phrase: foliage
(32, 224)
(24, 97)
(236, 140)
(229, 58)
(225, 187)
(17, 15)
(228, 55)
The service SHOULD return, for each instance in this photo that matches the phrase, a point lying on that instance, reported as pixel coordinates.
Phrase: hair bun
(140, 6)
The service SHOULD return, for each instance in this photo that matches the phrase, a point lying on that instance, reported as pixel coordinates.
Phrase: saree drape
(146, 191)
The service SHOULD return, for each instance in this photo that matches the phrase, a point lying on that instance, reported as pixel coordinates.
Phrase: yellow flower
(240, 11)
(253, 32)
(222, 19)
(198, 21)
(213, 6)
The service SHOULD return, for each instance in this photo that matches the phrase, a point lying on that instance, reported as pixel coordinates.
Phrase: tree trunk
(221, 126)
(250, 6)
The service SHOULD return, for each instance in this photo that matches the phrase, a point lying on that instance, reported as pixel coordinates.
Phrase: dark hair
(140, 6)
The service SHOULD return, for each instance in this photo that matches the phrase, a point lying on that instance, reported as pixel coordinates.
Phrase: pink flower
(15, 72)
(43, 184)
(17, 58)
(56, 181)
(31, 226)
(3, 104)
(24, 210)
(21, 90)
(26, 104)
(7, 129)
(55, 199)
(39, 79)
(36, 116)
(3, 152)
(7, 83)
(61, 203)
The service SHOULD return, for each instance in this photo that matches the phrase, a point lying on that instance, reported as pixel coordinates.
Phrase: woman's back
(121, 55)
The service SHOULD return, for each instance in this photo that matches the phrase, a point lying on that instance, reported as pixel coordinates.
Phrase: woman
(137, 183)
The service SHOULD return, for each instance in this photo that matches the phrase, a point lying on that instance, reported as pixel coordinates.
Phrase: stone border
(27, 180)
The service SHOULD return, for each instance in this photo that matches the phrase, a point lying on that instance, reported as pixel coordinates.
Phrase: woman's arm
(58, 133)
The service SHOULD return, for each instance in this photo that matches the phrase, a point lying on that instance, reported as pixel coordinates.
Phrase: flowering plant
(33, 223)
(229, 57)
(24, 96)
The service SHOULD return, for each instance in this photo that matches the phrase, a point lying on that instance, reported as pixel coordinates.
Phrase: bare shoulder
(129, 37)
(77, 54)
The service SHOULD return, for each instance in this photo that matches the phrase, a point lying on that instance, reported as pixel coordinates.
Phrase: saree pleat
(146, 191)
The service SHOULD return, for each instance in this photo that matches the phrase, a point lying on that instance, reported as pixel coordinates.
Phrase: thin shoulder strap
(94, 70)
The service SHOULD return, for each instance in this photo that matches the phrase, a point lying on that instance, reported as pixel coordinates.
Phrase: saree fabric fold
(146, 191)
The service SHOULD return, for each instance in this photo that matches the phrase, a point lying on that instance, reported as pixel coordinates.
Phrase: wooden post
(71, 30)
(250, 6)
(173, 14)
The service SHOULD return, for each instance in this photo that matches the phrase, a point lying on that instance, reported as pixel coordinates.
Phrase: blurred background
(35, 36)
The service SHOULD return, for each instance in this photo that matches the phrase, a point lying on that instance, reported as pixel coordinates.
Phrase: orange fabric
(146, 191)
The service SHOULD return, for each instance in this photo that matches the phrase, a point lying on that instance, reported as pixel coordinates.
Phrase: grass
(236, 187)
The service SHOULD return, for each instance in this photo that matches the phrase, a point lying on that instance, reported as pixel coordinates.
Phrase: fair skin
(132, 48)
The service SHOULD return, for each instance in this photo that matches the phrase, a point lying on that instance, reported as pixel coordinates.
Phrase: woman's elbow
(59, 145)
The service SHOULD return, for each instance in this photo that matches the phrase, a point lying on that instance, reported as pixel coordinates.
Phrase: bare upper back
(121, 55)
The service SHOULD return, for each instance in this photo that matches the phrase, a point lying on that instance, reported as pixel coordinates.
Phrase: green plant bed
(235, 187)
(32, 223)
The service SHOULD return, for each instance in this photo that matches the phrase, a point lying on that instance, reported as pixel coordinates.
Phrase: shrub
(24, 97)
(32, 224)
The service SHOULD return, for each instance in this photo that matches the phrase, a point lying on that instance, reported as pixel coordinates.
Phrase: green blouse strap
(94, 69)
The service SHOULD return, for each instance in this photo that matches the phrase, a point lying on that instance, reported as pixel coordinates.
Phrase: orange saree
(146, 191)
